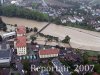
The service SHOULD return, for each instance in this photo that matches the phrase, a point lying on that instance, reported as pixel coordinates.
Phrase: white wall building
(78, 19)
(71, 19)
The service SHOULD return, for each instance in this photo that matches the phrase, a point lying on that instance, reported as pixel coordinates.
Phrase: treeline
(17, 11)
(82, 25)
(2, 25)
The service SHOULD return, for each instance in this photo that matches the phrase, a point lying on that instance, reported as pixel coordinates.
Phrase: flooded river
(80, 38)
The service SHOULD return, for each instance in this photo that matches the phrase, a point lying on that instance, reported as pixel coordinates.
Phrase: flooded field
(80, 38)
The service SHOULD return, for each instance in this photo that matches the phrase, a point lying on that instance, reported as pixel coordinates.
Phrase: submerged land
(82, 39)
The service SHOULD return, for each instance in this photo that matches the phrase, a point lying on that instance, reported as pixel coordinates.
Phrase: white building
(2, 1)
(63, 20)
(8, 34)
(78, 19)
(71, 19)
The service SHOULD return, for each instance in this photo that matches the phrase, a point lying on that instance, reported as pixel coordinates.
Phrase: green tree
(1, 38)
(85, 58)
(97, 68)
(2, 25)
(26, 66)
(33, 38)
(66, 40)
(35, 29)
(75, 73)
(99, 59)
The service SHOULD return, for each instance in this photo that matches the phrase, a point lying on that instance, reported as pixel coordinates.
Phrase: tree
(26, 66)
(75, 73)
(1, 38)
(27, 30)
(66, 40)
(1, 20)
(5, 29)
(33, 38)
(2, 25)
(35, 29)
(85, 58)
(99, 59)
(15, 25)
(97, 68)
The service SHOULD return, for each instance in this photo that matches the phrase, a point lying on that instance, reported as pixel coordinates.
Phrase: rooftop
(4, 53)
(4, 45)
(21, 30)
(49, 51)
(21, 41)
(59, 67)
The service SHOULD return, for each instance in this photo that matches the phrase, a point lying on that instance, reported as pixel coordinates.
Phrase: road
(20, 68)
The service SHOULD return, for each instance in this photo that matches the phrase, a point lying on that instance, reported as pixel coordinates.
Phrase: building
(78, 19)
(21, 45)
(2, 1)
(6, 35)
(63, 20)
(71, 19)
(48, 53)
(21, 31)
(5, 58)
(21, 41)
(59, 67)
(5, 54)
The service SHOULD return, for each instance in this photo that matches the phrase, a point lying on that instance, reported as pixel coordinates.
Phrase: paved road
(20, 67)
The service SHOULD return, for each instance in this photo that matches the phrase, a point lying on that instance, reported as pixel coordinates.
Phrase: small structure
(79, 19)
(63, 20)
(48, 53)
(5, 54)
(71, 19)
(6, 35)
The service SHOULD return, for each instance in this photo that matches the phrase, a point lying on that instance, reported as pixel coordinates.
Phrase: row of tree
(2, 25)
(17, 11)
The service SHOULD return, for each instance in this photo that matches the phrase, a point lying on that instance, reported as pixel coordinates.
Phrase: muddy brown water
(80, 38)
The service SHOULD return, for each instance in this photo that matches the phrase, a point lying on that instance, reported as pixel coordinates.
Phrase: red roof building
(21, 45)
(48, 53)
(21, 41)
(21, 30)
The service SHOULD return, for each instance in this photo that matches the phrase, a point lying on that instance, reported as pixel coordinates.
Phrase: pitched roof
(5, 53)
(95, 73)
(48, 51)
(21, 41)
(21, 30)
